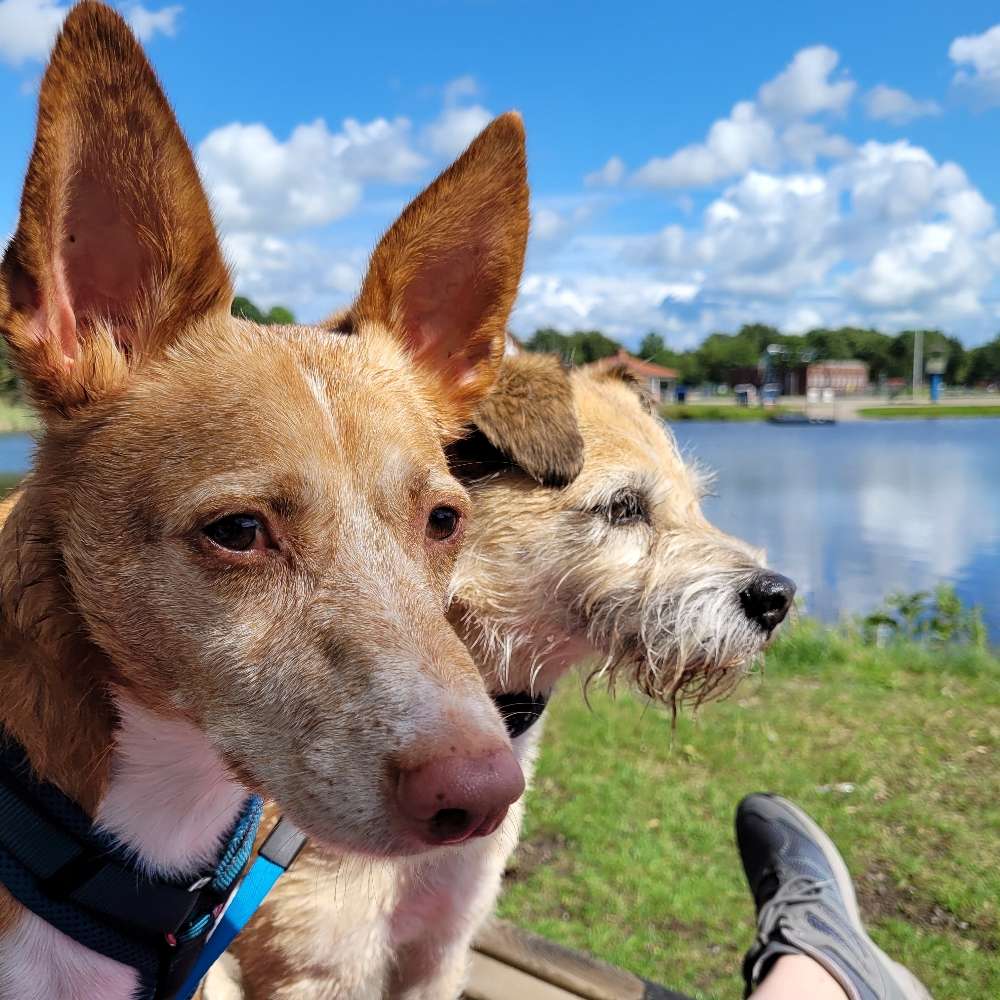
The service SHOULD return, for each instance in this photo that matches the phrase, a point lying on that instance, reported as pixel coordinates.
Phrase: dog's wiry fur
(150, 672)
(548, 580)
(655, 602)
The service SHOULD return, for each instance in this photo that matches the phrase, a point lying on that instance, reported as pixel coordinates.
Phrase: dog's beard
(671, 625)
(685, 644)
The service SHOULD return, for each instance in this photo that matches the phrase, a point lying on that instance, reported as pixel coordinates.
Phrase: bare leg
(795, 977)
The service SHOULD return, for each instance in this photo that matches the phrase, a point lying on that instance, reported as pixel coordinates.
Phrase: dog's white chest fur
(171, 801)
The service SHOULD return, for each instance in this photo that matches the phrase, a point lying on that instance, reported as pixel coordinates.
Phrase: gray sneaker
(806, 904)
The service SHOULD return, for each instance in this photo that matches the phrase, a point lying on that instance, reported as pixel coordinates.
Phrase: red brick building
(844, 377)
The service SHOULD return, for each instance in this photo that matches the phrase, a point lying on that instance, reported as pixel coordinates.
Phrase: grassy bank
(16, 416)
(714, 411)
(929, 412)
(629, 854)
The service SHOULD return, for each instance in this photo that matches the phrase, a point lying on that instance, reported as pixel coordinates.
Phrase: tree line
(887, 355)
(245, 309)
(242, 307)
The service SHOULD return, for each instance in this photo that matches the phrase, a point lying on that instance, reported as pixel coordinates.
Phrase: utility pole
(918, 360)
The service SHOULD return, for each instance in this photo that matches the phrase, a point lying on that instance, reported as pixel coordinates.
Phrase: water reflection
(851, 512)
(857, 510)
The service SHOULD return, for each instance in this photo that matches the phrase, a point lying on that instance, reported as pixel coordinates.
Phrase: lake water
(850, 512)
(15, 453)
(857, 510)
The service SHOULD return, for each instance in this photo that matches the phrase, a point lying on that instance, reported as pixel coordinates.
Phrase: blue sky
(693, 167)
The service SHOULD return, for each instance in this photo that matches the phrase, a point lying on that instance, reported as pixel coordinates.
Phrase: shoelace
(802, 889)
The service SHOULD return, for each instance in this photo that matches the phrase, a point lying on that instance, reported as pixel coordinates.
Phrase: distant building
(790, 378)
(844, 377)
(797, 379)
(657, 380)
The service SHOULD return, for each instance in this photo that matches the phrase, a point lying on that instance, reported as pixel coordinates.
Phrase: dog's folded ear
(528, 422)
(115, 241)
(444, 277)
(619, 373)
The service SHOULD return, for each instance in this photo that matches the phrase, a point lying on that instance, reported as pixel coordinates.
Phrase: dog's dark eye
(625, 507)
(442, 523)
(237, 532)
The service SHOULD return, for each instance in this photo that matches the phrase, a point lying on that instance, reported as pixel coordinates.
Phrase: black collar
(520, 710)
(72, 875)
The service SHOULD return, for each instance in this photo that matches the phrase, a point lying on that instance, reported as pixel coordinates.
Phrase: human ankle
(793, 977)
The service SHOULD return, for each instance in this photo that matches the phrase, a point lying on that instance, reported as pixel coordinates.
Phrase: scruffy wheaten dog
(588, 546)
(228, 569)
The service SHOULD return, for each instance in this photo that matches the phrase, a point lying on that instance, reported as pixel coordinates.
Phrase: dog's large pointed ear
(115, 242)
(528, 421)
(444, 277)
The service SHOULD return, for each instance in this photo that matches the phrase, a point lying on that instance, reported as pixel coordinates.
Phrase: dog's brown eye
(237, 532)
(442, 523)
(625, 507)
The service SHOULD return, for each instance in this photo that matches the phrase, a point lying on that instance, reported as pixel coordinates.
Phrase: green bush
(935, 617)
(245, 309)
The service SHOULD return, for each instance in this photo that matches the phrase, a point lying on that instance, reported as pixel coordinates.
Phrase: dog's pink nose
(450, 799)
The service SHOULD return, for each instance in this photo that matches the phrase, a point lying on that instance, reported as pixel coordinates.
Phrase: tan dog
(229, 566)
(614, 566)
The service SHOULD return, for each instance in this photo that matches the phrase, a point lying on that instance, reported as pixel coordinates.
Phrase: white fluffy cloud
(733, 145)
(886, 236)
(258, 183)
(148, 23)
(458, 123)
(455, 128)
(461, 87)
(805, 87)
(978, 61)
(28, 27)
(766, 235)
(765, 133)
(897, 106)
(553, 223)
(617, 304)
(266, 191)
(312, 279)
(611, 174)
(810, 229)
(803, 143)
(548, 224)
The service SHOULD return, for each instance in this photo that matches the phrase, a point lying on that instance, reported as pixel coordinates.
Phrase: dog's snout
(451, 799)
(767, 599)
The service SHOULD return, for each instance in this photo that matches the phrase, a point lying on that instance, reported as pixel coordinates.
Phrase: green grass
(628, 850)
(16, 416)
(8, 481)
(932, 411)
(714, 411)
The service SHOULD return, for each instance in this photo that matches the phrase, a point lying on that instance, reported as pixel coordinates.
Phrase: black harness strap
(81, 881)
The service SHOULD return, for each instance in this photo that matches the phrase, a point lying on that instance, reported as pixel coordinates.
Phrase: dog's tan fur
(546, 581)
(316, 665)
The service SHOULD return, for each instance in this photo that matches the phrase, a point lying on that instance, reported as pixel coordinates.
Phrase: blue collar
(58, 865)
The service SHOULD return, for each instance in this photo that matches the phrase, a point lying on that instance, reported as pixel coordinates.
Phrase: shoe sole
(912, 988)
